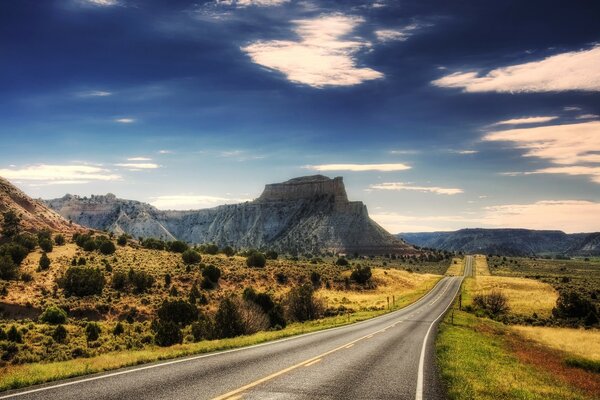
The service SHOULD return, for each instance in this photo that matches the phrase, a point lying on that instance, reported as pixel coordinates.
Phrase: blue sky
(439, 115)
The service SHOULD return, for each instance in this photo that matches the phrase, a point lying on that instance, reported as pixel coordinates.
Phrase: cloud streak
(577, 70)
(323, 56)
(359, 167)
(525, 121)
(60, 174)
(191, 201)
(424, 189)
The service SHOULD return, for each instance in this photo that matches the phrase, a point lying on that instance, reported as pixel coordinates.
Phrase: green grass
(583, 363)
(476, 364)
(19, 376)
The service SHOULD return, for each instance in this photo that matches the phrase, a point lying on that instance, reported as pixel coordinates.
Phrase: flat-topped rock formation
(308, 214)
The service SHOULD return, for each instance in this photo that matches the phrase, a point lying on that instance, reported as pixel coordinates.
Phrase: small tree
(494, 303)
(59, 240)
(178, 246)
(107, 247)
(228, 251)
(11, 224)
(60, 334)
(92, 331)
(361, 274)
(341, 262)
(210, 248)
(177, 311)
(118, 329)
(14, 335)
(46, 245)
(82, 281)
(53, 315)
(8, 269)
(302, 304)
(571, 304)
(168, 333)
(256, 259)
(44, 263)
(271, 255)
(228, 320)
(212, 273)
(191, 257)
(122, 240)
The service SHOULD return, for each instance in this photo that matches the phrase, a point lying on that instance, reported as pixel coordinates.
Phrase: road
(388, 357)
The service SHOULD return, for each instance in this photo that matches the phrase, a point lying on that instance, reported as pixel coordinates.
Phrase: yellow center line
(228, 395)
(312, 362)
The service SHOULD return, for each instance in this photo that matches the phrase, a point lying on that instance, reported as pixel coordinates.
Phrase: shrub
(494, 303)
(59, 240)
(341, 262)
(228, 320)
(59, 334)
(107, 247)
(571, 304)
(92, 331)
(141, 280)
(256, 259)
(119, 280)
(89, 245)
(11, 224)
(13, 335)
(168, 333)
(82, 281)
(44, 263)
(254, 319)
(122, 240)
(271, 255)
(46, 245)
(315, 278)
(178, 246)
(118, 329)
(15, 251)
(54, 315)
(26, 240)
(203, 329)
(361, 274)
(177, 311)
(302, 304)
(191, 257)
(228, 251)
(211, 272)
(167, 279)
(210, 248)
(8, 269)
(153, 244)
(273, 310)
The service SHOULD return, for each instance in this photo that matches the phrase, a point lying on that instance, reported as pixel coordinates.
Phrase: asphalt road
(389, 357)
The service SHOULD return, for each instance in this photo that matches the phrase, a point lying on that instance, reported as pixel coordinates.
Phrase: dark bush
(341, 262)
(273, 310)
(177, 311)
(271, 255)
(210, 248)
(54, 315)
(494, 303)
(302, 304)
(191, 257)
(11, 224)
(256, 259)
(203, 329)
(167, 334)
(361, 274)
(178, 246)
(315, 278)
(92, 331)
(571, 304)
(26, 240)
(107, 247)
(60, 334)
(82, 281)
(228, 320)
(119, 329)
(44, 263)
(46, 245)
(211, 272)
(141, 280)
(15, 251)
(122, 240)
(228, 251)
(13, 335)
(59, 240)
(89, 245)
(8, 269)
(119, 280)
(153, 244)
(167, 279)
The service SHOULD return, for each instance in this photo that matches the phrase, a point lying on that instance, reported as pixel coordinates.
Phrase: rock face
(308, 214)
(509, 242)
(35, 214)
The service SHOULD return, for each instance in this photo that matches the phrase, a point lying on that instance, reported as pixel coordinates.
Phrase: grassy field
(481, 265)
(584, 343)
(525, 296)
(456, 268)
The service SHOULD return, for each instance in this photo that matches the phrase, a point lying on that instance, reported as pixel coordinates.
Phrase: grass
(480, 359)
(481, 265)
(456, 268)
(577, 342)
(525, 296)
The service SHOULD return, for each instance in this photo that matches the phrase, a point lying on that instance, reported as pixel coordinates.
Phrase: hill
(508, 242)
(35, 215)
(305, 215)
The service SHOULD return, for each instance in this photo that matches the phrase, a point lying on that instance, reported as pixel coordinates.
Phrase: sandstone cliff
(308, 214)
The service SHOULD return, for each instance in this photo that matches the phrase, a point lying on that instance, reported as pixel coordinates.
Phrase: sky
(439, 115)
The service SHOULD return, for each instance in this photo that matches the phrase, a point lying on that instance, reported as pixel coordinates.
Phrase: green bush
(122, 240)
(228, 251)
(118, 329)
(141, 280)
(178, 311)
(82, 281)
(14, 335)
(59, 240)
(92, 331)
(342, 262)
(167, 333)
(271, 255)
(8, 269)
(571, 304)
(210, 249)
(54, 315)
(153, 244)
(46, 245)
(178, 246)
(256, 259)
(11, 224)
(119, 280)
(60, 334)
(26, 240)
(15, 251)
(89, 245)
(191, 257)
(107, 247)
(302, 304)
(211, 272)
(361, 274)
(268, 305)
(228, 320)
(44, 263)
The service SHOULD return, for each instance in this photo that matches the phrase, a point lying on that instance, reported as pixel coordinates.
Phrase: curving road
(388, 357)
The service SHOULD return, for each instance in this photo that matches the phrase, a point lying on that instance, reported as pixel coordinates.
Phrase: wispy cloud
(587, 116)
(403, 152)
(137, 166)
(139, 159)
(60, 174)
(248, 3)
(399, 34)
(410, 187)
(322, 57)
(94, 93)
(191, 201)
(125, 120)
(571, 146)
(525, 120)
(359, 167)
(165, 151)
(101, 3)
(465, 152)
(577, 70)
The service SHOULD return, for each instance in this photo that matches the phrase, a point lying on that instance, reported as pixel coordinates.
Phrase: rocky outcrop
(307, 214)
(35, 215)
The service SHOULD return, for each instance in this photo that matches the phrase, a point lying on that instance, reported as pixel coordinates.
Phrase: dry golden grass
(457, 267)
(481, 265)
(525, 296)
(389, 283)
(584, 343)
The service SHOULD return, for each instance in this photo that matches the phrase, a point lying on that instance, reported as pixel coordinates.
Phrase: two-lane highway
(389, 357)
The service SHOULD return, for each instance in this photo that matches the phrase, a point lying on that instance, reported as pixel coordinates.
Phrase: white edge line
(419, 394)
(193, 358)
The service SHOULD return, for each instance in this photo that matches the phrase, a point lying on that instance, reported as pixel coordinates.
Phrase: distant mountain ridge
(508, 242)
(307, 214)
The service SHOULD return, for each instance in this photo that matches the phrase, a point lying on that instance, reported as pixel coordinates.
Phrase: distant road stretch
(389, 357)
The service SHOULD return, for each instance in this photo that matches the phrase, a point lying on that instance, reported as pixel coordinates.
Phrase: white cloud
(401, 34)
(322, 57)
(572, 108)
(395, 223)
(359, 167)
(125, 120)
(408, 186)
(577, 70)
(401, 152)
(567, 215)
(165, 152)
(189, 202)
(95, 93)
(139, 159)
(587, 116)
(60, 174)
(571, 146)
(248, 3)
(137, 166)
(102, 3)
(525, 120)
(466, 152)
